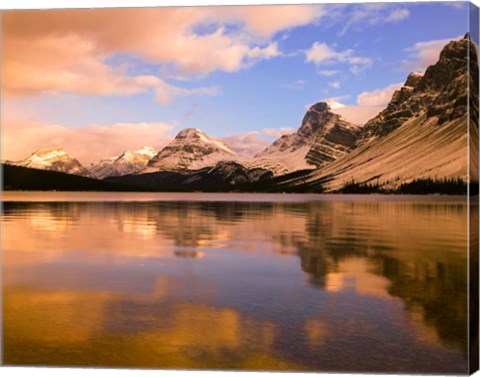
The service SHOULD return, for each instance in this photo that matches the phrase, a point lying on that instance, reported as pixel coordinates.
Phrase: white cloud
(88, 144)
(321, 53)
(398, 15)
(379, 97)
(327, 73)
(266, 53)
(457, 5)
(423, 54)
(372, 14)
(297, 85)
(164, 92)
(334, 84)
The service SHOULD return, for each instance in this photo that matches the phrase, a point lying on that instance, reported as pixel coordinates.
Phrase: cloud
(368, 104)
(68, 50)
(457, 5)
(327, 73)
(268, 20)
(164, 92)
(68, 63)
(423, 54)
(247, 144)
(398, 15)
(277, 132)
(362, 16)
(297, 85)
(379, 97)
(266, 53)
(321, 53)
(358, 114)
(88, 144)
(253, 142)
(334, 84)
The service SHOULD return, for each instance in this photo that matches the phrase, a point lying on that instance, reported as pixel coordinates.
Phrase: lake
(235, 281)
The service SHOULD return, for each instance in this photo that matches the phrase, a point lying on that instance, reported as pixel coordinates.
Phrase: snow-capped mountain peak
(194, 135)
(191, 149)
(322, 137)
(56, 159)
(129, 162)
(147, 151)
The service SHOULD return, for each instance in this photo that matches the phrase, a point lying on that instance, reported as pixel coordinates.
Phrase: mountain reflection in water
(326, 286)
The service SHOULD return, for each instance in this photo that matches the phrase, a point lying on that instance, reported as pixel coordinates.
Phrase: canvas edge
(473, 196)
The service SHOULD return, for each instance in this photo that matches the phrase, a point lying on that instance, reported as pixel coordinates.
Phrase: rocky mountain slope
(54, 159)
(322, 138)
(191, 149)
(224, 176)
(129, 162)
(423, 132)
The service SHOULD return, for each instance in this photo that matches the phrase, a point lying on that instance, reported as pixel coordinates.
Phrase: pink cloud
(277, 132)
(423, 54)
(369, 104)
(66, 50)
(87, 144)
(247, 144)
(358, 114)
(379, 97)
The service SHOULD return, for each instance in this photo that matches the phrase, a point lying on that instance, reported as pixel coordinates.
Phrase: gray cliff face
(440, 92)
(322, 137)
(333, 136)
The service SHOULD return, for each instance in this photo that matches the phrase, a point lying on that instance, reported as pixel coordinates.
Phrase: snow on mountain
(55, 159)
(323, 137)
(423, 132)
(129, 162)
(191, 149)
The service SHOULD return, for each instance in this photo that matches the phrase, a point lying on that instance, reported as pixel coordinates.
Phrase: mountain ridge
(421, 134)
(129, 162)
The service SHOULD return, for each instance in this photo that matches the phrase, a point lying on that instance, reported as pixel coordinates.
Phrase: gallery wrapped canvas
(249, 188)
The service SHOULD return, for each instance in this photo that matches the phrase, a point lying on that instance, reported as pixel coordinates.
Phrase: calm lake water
(251, 282)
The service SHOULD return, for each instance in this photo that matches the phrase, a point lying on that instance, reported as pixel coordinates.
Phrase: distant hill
(21, 178)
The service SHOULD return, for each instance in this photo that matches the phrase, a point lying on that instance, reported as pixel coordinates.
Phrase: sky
(102, 81)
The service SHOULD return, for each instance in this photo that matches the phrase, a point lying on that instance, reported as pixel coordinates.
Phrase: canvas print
(251, 188)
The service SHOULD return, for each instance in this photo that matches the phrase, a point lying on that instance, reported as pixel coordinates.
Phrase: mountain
(55, 159)
(422, 134)
(224, 176)
(191, 149)
(322, 138)
(130, 162)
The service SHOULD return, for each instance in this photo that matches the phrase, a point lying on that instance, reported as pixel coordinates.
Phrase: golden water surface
(271, 282)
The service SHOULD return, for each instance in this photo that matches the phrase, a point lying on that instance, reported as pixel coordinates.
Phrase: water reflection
(243, 285)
